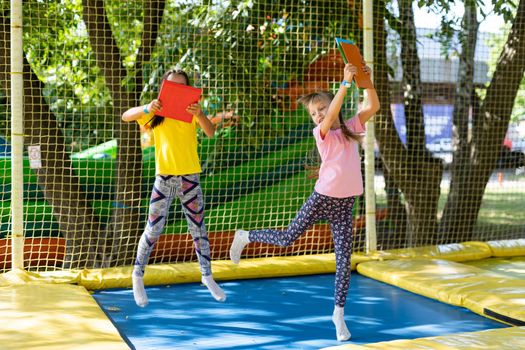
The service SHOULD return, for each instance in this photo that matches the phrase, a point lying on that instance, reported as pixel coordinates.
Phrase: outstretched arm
(335, 106)
(139, 111)
(372, 106)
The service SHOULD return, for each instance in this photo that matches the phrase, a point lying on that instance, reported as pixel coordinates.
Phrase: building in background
(439, 76)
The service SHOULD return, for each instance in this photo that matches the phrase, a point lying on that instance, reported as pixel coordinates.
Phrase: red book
(350, 53)
(175, 98)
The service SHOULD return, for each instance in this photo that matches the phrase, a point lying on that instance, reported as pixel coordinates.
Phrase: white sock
(338, 318)
(240, 240)
(139, 293)
(214, 288)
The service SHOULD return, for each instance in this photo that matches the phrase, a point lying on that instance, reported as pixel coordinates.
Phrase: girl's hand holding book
(195, 109)
(154, 106)
(349, 72)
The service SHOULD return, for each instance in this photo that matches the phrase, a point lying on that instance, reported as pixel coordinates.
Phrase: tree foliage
(57, 47)
(241, 52)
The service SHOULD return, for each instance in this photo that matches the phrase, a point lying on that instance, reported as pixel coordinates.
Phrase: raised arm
(368, 111)
(335, 106)
(139, 111)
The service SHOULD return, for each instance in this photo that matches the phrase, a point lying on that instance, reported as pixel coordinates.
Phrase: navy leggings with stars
(338, 212)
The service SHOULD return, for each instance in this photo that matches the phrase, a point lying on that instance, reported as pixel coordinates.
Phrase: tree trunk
(397, 216)
(416, 174)
(126, 223)
(461, 166)
(489, 127)
(61, 187)
(415, 137)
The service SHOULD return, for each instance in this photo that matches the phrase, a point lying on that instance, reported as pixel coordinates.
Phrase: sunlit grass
(502, 207)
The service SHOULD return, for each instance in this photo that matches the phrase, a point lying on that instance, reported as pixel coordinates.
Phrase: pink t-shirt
(340, 172)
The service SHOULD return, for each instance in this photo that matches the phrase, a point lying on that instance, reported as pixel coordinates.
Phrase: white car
(518, 145)
(440, 145)
(441, 148)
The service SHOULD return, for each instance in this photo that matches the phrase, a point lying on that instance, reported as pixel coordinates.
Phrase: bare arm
(335, 106)
(372, 106)
(204, 122)
(139, 111)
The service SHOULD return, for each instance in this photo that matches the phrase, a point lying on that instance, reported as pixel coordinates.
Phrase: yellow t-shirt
(175, 146)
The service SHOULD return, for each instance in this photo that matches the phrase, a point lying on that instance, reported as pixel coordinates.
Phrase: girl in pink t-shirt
(335, 190)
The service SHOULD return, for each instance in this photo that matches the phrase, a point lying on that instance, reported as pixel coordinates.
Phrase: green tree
(102, 57)
(491, 117)
(409, 167)
(89, 243)
(496, 42)
(60, 185)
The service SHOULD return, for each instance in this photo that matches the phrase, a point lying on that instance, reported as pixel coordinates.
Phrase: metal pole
(17, 137)
(370, 201)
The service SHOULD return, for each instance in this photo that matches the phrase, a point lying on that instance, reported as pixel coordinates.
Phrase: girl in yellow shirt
(177, 174)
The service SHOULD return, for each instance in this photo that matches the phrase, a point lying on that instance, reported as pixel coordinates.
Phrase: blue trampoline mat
(280, 313)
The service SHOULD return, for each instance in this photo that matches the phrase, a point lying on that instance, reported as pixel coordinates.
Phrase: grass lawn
(502, 210)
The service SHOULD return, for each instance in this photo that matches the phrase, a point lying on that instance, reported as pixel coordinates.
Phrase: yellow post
(370, 201)
(17, 137)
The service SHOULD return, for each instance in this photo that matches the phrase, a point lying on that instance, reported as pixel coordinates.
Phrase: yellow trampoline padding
(120, 277)
(41, 316)
(508, 247)
(454, 252)
(511, 338)
(512, 266)
(222, 270)
(489, 294)
(19, 276)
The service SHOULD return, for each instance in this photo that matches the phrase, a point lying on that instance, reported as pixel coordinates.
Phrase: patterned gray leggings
(188, 189)
(338, 212)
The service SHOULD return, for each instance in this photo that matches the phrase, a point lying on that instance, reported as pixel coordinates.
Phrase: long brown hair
(157, 119)
(328, 96)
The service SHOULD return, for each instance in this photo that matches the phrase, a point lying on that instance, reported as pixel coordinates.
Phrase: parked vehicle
(510, 159)
(442, 149)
